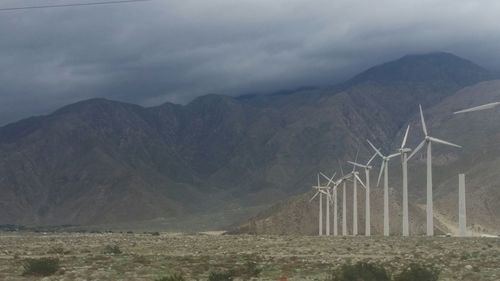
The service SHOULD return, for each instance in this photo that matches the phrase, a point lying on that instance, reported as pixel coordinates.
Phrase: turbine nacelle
(404, 150)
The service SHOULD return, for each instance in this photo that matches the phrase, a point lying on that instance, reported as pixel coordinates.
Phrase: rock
(468, 267)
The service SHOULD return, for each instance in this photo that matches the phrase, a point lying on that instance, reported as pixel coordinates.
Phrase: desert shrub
(174, 277)
(220, 276)
(156, 233)
(359, 271)
(141, 259)
(465, 256)
(58, 250)
(112, 249)
(418, 272)
(41, 266)
(247, 270)
(251, 269)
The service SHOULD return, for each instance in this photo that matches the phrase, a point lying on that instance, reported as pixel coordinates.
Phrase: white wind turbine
(320, 190)
(327, 189)
(332, 199)
(404, 163)
(355, 179)
(477, 108)
(367, 168)
(384, 167)
(429, 140)
(343, 181)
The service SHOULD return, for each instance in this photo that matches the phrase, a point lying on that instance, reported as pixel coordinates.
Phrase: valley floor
(148, 257)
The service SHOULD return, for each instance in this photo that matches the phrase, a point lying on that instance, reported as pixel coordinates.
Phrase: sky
(160, 51)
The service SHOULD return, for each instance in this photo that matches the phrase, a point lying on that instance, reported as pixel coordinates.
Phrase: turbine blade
(424, 127)
(371, 159)
(330, 180)
(356, 164)
(360, 181)
(347, 177)
(310, 200)
(374, 148)
(341, 170)
(355, 160)
(444, 142)
(420, 145)
(406, 137)
(324, 176)
(393, 155)
(476, 108)
(381, 171)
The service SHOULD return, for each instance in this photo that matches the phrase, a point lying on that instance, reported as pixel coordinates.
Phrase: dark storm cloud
(158, 51)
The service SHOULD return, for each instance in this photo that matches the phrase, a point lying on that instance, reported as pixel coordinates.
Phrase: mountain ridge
(134, 163)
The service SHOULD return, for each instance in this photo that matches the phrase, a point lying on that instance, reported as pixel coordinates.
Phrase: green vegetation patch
(40, 267)
(418, 272)
(360, 271)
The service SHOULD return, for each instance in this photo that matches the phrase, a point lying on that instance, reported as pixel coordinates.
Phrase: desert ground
(149, 256)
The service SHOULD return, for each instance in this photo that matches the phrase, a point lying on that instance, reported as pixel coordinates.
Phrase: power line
(70, 5)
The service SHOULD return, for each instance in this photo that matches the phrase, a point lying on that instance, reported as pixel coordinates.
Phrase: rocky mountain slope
(479, 135)
(100, 161)
(479, 159)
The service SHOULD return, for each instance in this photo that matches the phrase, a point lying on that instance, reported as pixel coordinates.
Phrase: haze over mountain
(100, 161)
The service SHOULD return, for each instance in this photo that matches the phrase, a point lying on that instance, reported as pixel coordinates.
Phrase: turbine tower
(343, 180)
(344, 209)
(429, 140)
(462, 223)
(404, 163)
(384, 167)
(367, 168)
(355, 176)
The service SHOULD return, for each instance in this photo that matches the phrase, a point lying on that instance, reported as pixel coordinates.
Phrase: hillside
(477, 132)
(101, 161)
(479, 159)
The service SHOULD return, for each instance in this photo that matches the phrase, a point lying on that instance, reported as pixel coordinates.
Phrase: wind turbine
(404, 163)
(384, 167)
(429, 140)
(332, 198)
(343, 180)
(477, 108)
(355, 176)
(327, 188)
(367, 168)
(320, 191)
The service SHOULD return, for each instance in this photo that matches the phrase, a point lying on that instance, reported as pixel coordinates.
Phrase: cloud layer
(175, 50)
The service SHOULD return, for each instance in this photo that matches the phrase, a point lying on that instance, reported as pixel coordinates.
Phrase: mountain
(101, 161)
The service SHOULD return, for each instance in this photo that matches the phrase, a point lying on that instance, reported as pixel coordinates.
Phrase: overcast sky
(167, 50)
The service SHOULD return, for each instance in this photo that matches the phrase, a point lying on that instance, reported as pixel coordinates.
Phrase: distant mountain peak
(425, 68)
(93, 104)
